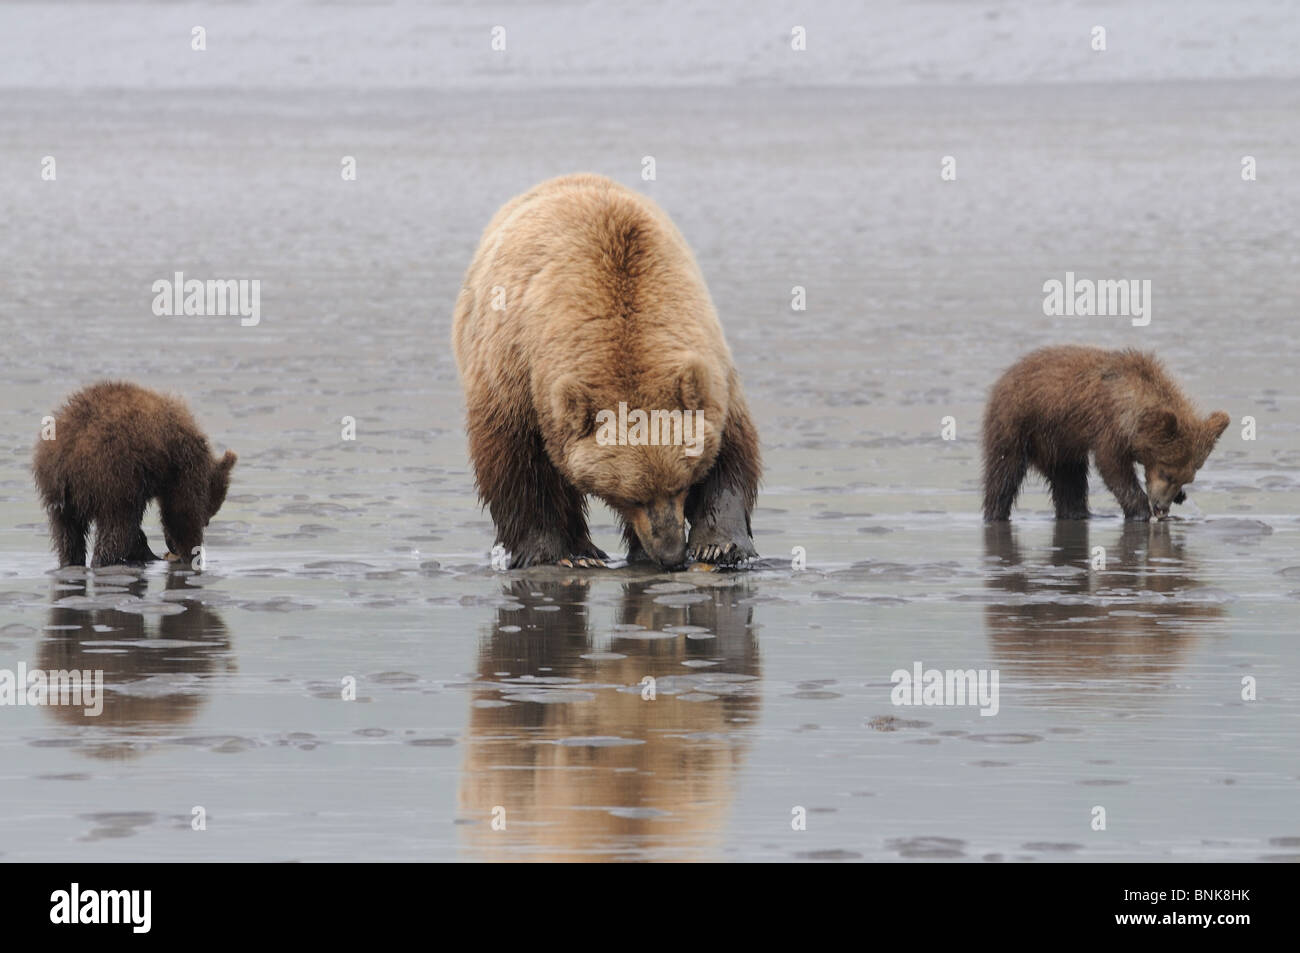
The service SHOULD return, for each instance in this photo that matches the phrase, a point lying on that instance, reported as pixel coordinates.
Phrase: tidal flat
(504, 715)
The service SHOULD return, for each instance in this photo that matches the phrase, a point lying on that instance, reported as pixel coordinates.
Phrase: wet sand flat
(520, 697)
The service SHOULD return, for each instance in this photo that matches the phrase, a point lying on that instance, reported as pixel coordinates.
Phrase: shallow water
(478, 690)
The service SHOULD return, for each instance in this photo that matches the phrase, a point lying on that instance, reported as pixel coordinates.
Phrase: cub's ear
(227, 462)
(694, 386)
(1211, 430)
(1158, 426)
(572, 406)
(1216, 424)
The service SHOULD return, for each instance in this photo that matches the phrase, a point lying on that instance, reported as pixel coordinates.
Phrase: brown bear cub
(594, 364)
(1054, 406)
(113, 448)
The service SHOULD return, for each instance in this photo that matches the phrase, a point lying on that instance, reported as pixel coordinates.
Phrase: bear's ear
(1159, 426)
(1211, 430)
(571, 406)
(227, 461)
(1215, 425)
(694, 390)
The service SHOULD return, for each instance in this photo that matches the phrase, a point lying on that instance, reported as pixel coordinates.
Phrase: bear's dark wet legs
(718, 507)
(1004, 471)
(1117, 471)
(115, 538)
(1069, 482)
(720, 530)
(69, 532)
(635, 551)
(140, 551)
(539, 518)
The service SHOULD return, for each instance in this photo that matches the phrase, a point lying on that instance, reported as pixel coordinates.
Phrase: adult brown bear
(584, 307)
(1054, 406)
(114, 447)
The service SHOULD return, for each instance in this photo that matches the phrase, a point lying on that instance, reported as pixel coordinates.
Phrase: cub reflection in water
(1064, 617)
(561, 737)
(146, 688)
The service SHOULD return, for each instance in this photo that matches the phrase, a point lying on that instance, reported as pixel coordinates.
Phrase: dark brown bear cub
(113, 448)
(1055, 406)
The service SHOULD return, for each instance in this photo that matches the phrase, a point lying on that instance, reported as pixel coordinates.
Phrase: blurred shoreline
(675, 43)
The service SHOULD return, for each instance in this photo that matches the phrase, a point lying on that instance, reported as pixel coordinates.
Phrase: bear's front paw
(548, 551)
(720, 548)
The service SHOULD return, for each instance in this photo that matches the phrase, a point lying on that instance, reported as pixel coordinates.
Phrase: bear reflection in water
(1063, 621)
(564, 746)
(154, 665)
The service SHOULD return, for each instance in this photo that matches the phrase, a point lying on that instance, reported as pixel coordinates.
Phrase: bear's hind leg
(69, 529)
(1069, 483)
(719, 506)
(115, 537)
(540, 519)
(1005, 465)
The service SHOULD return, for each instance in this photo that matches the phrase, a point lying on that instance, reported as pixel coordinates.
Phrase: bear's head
(1172, 450)
(183, 525)
(641, 448)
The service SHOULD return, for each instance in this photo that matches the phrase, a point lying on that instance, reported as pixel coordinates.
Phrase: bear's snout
(670, 554)
(661, 527)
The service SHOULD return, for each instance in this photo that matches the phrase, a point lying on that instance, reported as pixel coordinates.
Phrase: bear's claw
(582, 562)
(723, 554)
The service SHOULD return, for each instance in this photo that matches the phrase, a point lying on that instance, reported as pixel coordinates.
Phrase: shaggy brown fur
(1054, 406)
(603, 302)
(117, 446)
